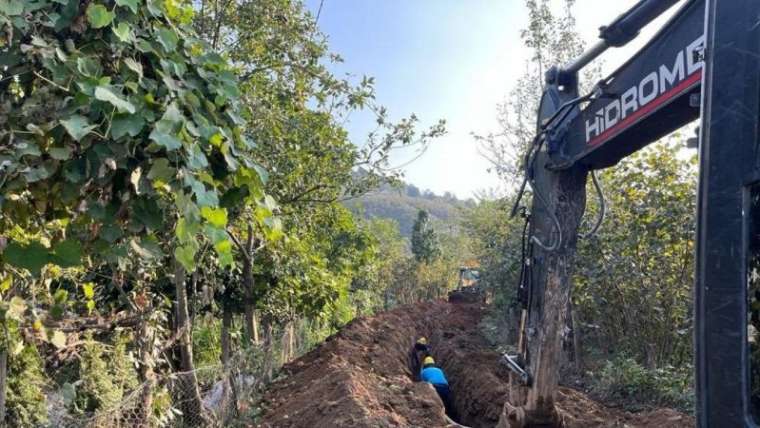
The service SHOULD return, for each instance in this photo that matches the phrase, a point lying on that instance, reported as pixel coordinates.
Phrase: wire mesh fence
(221, 397)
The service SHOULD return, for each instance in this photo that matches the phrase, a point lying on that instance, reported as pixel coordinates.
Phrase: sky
(448, 59)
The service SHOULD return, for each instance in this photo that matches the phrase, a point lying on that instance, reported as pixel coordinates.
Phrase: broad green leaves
(77, 126)
(167, 38)
(98, 16)
(34, 256)
(216, 217)
(11, 7)
(104, 93)
(123, 31)
(131, 4)
(127, 125)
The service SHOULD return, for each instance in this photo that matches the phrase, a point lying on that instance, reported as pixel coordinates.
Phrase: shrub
(623, 380)
(26, 404)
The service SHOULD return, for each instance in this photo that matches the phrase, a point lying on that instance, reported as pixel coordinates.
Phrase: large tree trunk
(192, 403)
(565, 192)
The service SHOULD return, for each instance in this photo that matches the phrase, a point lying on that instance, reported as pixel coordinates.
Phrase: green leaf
(217, 217)
(111, 233)
(89, 290)
(224, 251)
(41, 172)
(185, 255)
(274, 228)
(90, 305)
(32, 257)
(186, 230)
(167, 38)
(69, 394)
(77, 126)
(60, 153)
(131, 4)
(6, 283)
(164, 139)
(104, 93)
(67, 253)
(58, 339)
(99, 16)
(216, 139)
(148, 213)
(61, 296)
(123, 31)
(27, 149)
(160, 170)
(126, 124)
(89, 66)
(11, 7)
(57, 311)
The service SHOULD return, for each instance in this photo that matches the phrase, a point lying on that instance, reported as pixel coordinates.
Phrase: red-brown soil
(360, 378)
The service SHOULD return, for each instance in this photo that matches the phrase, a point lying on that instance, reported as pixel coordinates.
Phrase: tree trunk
(576, 332)
(251, 330)
(192, 403)
(230, 387)
(256, 339)
(3, 384)
(268, 351)
(565, 192)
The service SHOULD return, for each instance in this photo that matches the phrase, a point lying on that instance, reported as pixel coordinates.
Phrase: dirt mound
(360, 378)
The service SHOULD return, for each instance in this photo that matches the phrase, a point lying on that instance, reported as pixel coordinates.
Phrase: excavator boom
(703, 64)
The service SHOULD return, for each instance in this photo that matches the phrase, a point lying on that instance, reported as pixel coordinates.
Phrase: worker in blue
(434, 375)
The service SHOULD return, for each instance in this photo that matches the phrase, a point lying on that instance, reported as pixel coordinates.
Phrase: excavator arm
(703, 64)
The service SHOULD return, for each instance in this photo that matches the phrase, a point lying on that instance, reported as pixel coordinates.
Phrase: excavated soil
(360, 378)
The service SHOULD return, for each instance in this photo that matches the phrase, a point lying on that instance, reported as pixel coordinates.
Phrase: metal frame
(728, 162)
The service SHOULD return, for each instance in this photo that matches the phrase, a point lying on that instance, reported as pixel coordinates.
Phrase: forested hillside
(401, 204)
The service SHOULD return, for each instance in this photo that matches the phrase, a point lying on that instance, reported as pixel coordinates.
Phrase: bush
(26, 404)
(633, 386)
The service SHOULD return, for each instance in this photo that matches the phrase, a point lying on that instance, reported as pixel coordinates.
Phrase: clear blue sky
(450, 59)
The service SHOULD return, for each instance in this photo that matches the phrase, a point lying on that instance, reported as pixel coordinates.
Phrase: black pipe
(621, 31)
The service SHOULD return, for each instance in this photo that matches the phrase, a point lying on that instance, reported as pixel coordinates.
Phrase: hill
(401, 203)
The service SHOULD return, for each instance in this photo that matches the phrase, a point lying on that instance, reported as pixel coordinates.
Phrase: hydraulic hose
(602, 207)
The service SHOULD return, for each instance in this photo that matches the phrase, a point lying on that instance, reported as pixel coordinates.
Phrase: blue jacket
(434, 375)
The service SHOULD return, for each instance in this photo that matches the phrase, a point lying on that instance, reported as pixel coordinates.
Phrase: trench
(477, 381)
(360, 377)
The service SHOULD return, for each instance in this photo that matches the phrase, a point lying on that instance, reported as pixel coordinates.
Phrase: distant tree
(412, 191)
(424, 241)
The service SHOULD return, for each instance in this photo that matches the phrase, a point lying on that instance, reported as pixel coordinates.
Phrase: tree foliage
(633, 286)
(424, 240)
(161, 160)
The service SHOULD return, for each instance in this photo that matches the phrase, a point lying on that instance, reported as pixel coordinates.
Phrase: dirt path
(360, 378)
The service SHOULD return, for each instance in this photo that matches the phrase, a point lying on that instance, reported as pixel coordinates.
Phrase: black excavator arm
(703, 64)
